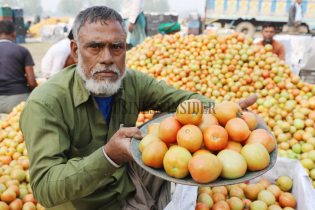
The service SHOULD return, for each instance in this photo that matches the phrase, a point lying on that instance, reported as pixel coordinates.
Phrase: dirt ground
(37, 51)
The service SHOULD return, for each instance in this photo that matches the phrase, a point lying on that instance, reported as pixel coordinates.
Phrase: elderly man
(78, 153)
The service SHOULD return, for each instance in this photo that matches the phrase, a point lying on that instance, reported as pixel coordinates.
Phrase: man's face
(299, 1)
(268, 33)
(101, 56)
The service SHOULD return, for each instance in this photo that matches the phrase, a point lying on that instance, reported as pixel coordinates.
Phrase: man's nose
(106, 57)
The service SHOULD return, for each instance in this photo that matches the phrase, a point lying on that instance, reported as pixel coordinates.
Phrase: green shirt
(65, 131)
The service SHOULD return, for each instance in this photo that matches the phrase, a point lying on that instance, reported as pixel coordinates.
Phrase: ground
(37, 51)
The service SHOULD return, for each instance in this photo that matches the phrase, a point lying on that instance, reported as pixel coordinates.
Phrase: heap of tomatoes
(244, 196)
(221, 142)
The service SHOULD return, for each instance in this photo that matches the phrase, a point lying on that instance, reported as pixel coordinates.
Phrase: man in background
(15, 62)
(268, 33)
(27, 27)
(132, 13)
(295, 16)
(57, 57)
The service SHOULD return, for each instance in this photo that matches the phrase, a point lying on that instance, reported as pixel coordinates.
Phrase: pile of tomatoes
(221, 142)
(244, 196)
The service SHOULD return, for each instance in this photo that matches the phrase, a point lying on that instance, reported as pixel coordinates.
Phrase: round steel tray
(249, 175)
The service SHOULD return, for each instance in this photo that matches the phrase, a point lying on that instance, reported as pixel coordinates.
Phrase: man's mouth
(106, 73)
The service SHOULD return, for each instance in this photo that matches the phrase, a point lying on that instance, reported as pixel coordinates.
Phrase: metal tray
(137, 155)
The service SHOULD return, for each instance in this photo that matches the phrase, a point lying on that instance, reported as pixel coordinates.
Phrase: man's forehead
(108, 31)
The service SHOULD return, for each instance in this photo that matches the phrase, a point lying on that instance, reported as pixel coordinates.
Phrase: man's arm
(30, 77)
(136, 4)
(161, 97)
(292, 15)
(55, 179)
(281, 53)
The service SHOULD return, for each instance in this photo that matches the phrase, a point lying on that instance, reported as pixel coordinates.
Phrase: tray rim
(194, 183)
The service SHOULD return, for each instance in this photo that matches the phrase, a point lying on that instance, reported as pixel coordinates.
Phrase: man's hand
(118, 147)
(247, 102)
(295, 25)
(131, 25)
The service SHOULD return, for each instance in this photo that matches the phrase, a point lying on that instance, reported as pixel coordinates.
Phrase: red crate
(6, 18)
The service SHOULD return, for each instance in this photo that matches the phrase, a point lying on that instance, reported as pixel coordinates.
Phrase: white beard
(105, 86)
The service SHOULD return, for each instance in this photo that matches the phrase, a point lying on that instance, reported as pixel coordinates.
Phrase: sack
(302, 189)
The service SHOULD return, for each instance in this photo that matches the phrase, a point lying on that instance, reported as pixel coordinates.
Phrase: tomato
(237, 192)
(256, 156)
(29, 198)
(168, 129)
(176, 161)
(258, 205)
(4, 206)
(206, 199)
(190, 137)
(153, 128)
(233, 145)
(233, 164)
(266, 197)
(221, 205)
(147, 140)
(217, 197)
(236, 203)
(275, 190)
(263, 137)
(264, 182)
(251, 191)
(215, 138)
(201, 151)
(246, 203)
(206, 121)
(287, 200)
(201, 206)
(190, 112)
(250, 120)
(16, 205)
(8, 196)
(222, 190)
(14, 189)
(153, 154)
(29, 206)
(284, 183)
(226, 111)
(237, 129)
(206, 190)
(204, 168)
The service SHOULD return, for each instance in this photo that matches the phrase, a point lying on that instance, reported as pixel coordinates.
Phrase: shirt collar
(5, 40)
(81, 94)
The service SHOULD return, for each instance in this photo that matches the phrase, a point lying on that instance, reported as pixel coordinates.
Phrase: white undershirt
(131, 9)
(298, 13)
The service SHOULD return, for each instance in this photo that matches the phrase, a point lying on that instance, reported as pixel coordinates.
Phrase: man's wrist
(106, 152)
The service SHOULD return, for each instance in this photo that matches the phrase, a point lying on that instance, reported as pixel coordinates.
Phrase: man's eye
(94, 46)
(117, 47)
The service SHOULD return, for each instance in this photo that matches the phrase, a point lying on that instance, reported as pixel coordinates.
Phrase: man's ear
(13, 36)
(74, 50)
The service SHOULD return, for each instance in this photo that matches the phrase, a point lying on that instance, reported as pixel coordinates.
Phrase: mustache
(106, 68)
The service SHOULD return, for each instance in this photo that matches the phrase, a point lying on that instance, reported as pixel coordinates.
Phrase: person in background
(295, 16)
(57, 57)
(268, 32)
(27, 27)
(15, 62)
(132, 13)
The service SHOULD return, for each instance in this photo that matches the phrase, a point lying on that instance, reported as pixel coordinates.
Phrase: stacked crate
(154, 20)
(194, 24)
(6, 13)
(19, 26)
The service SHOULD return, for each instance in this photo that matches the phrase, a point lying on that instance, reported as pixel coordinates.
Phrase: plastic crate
(20, 39)
(153, 26)
(165, 18)
(308, 76)
(152, 32)
(18, 12)
(6, 18)
(20, 29)
(195, 31)
(18, 21)
(193, 24)
(174, 18)
(194, 17)
(6, 12)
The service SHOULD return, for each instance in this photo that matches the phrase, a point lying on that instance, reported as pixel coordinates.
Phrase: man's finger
(132, 133)
(247, 102)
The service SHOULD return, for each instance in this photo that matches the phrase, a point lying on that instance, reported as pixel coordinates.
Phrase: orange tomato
(206, 121)
(250, 120)
(221, 205)
(217, 197)
(190, 137)
(205, 168)
(287, 200)
(263, 137)
(168, 129)
(201, 151)
(226, 111)
(237, 129)
(153, 128)
(153, 154)
(215, 138)
(190, 112)
(233, 145)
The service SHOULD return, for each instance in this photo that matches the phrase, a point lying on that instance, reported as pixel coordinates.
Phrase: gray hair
(94, 14)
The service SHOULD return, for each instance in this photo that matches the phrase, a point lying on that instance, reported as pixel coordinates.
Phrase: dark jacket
(292, 13)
